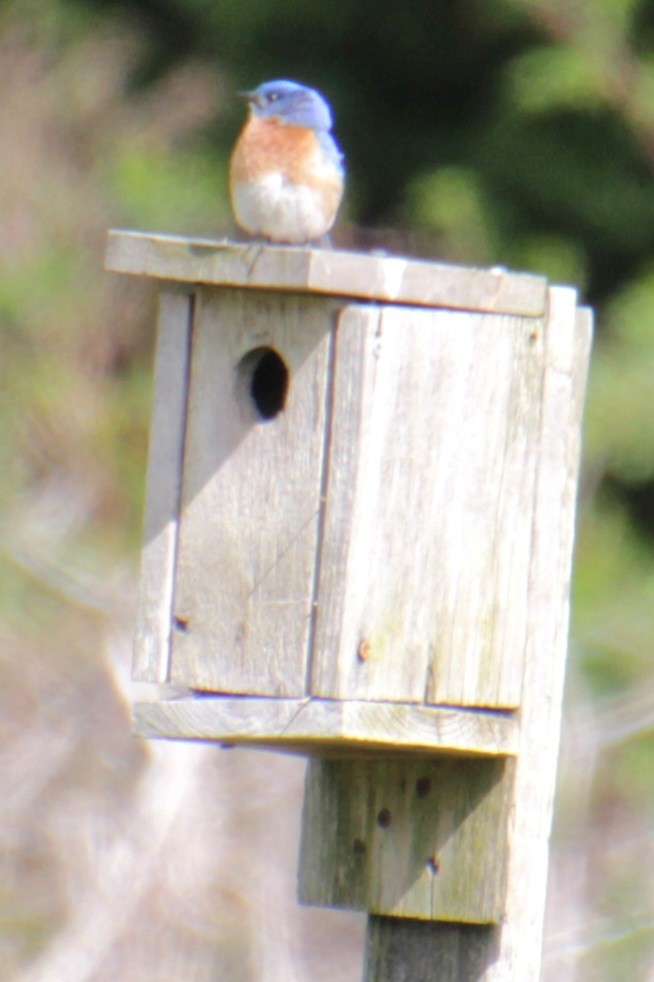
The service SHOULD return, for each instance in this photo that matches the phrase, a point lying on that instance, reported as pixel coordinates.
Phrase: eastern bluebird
(286, 174)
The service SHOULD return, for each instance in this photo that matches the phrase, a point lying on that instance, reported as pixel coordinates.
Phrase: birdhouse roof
(332, 272)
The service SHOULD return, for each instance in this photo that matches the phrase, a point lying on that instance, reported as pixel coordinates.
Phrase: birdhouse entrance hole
(263, 377)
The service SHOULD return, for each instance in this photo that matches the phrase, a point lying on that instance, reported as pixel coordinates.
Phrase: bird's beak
(252, 97)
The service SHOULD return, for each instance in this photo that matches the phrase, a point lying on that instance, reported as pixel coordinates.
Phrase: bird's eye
(273, 97)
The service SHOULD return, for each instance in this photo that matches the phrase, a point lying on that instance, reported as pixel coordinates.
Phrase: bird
(286, 172)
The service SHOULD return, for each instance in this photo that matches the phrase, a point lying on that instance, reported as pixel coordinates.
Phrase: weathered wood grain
(345, 274)
(568, 348)
(401, 950)
(394, 547)
(164, 478)
(429, 511)
(251, 497)
(412, 838)
(324, 727)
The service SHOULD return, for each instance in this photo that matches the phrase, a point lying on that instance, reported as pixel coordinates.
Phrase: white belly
(280, 211)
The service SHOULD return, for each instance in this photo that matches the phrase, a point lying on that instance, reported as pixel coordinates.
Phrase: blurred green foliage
(519, 133)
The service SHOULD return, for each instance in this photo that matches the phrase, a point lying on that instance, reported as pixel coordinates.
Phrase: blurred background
(518, 133)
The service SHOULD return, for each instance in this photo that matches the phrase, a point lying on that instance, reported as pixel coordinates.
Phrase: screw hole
(263, 376)
(423, 787)
(434, 864)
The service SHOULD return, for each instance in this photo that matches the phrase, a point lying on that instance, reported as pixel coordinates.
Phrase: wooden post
(402, 949)
(359, 533)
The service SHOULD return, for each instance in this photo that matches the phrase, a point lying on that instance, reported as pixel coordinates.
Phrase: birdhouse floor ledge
(322, 727)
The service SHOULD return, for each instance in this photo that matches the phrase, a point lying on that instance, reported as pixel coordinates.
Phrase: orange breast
(267, 146)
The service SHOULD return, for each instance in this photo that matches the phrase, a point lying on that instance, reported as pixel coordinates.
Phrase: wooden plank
(400, 950)
(428, 523)
(153, 628)
(411, 838)
(251, 497)
(321, 727)
(569, 334)
(345, 274)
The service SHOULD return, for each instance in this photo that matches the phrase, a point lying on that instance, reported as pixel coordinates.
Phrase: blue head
(290, 103)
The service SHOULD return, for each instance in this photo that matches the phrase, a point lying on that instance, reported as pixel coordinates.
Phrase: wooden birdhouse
(358, 539)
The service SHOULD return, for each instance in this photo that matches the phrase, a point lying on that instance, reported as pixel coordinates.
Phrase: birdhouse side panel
(425, 563)
(152, 640)
(251, 493)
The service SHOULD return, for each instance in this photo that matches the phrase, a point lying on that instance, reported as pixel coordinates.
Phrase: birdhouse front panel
(424, 574)
(367, 535)
(251, 492)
